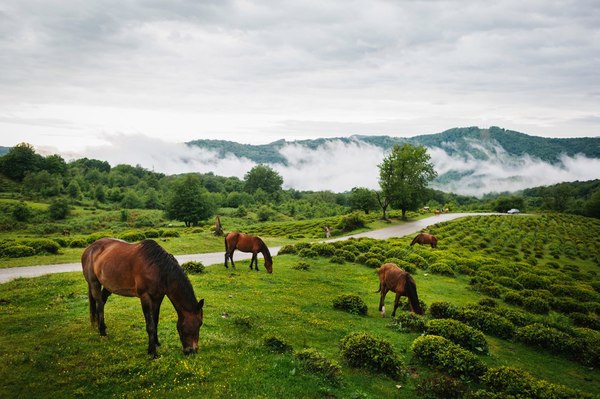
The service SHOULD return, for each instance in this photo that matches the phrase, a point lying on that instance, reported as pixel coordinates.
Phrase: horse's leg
(382, 300)
(147, 308)
(396, 302)
(226, 257)
(95, 290)
(255, 261)
(156, 307)
(101, 326)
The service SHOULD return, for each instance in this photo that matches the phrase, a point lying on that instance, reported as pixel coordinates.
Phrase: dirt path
(212, 258)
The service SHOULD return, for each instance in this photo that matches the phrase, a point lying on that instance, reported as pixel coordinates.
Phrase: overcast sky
(79, 73)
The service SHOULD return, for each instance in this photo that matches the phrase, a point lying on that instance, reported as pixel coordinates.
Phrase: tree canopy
(403, 178)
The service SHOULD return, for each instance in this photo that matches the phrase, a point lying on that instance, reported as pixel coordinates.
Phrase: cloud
(339, 166)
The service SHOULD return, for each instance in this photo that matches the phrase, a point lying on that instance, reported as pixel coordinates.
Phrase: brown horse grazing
(392, 278)
(425, 239)
(247, 243)
(144, 270)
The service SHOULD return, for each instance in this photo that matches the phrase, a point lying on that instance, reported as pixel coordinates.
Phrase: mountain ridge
(466, 142)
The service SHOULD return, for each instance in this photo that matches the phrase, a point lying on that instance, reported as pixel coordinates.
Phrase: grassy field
(50, 350)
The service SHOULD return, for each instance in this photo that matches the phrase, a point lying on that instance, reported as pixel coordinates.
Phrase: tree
(363, 199)
(403, 178)
(190, 202)
(59, 208)
(20, 160)
(263, 177)
(504, 203)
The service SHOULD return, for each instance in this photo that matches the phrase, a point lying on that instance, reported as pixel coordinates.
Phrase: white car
(513, 211)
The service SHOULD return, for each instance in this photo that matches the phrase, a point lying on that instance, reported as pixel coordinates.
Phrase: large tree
(263, 177)
(363, 199)
(403, 178)
(190, 201)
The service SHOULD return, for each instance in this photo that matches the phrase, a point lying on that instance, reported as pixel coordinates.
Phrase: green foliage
(351, 222)
(403, 177)
(364, 350)
(363, 199)
(59, 208)
(441, 268)
(459, 333)
(262, 177)
(315, 362)
(350, 303)
(189, 202)
(444, 355)
(193, 267)
(409, 321)
(301, 266)
(440, 386)
(521, 384)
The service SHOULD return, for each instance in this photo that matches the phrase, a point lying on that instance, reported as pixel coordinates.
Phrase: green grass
(50, 350)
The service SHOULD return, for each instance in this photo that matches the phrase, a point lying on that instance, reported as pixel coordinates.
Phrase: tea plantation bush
(350, 303)
(315, 362)
(408, 321)
(442, 269)
(193, 267)
(362, 350)
(444, 355)
(520, 384)
(459, 333)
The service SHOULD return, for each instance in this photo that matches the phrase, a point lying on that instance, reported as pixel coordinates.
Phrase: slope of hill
(465, 142)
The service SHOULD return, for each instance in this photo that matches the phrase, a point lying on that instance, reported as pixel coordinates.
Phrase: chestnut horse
(425, 239)
(247, 243)
(144, 270)
(392, 278)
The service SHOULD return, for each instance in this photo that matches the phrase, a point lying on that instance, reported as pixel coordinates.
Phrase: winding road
(400, 230)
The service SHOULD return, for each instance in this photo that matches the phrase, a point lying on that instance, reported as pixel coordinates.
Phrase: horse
(425, 239)
(144, 270)
(392, 278)
(247, 243)
(436, 212)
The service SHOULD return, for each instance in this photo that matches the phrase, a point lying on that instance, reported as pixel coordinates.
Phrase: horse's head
(269, 265)
(188, 326)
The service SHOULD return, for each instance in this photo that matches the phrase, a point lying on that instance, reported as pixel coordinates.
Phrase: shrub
(441, 386)
(443, 310)
(346, 255)
(43, 245)
(441, 269)
(536, 305)
(277, 344)
(308, 253)
(509, 282)
(442, 354)
(487, 302)
(78, 242)
(193, 267)
(350, 303)
(287, 249)
(337, 259)
(301, 266)
(169, 233)
(17, 251)
(585, 320)
(513, 298)
(459, 333)
(408, 321)
(351, 222)
(521, 384)
(533, 281)
(132, 236)
(373, 263)
(323, 249)
(545, 337)
(315, 362)
(366, 351)
(488, 322)
(417, 260)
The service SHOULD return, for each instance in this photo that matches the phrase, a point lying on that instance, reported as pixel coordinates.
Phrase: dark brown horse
(425, 239)
(144, 270)
(247, 243)
(392, 278)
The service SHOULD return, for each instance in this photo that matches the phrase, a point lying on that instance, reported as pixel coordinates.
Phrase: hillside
(465, 142)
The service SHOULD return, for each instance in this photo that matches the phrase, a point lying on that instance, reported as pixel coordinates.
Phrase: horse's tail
(411, 293)
(414, 241)
(87, 265)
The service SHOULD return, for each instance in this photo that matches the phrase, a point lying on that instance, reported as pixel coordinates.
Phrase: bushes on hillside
(459, 333)
(350, 303)
(363, 350)
(315, 362)
(444, 355)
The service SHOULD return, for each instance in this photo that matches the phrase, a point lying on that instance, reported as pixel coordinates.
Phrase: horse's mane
(265, 251)
(169, 268)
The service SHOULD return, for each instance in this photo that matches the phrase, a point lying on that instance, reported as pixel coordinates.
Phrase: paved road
(207, 259)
